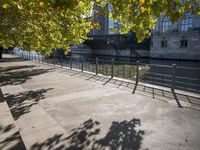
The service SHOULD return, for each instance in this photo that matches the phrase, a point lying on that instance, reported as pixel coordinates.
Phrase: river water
(182, 63)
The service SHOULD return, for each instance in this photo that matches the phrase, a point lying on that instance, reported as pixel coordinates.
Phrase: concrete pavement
(9, 134)
(56, 108)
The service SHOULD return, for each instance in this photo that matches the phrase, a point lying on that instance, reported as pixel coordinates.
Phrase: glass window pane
(187, 22)
(165, 24)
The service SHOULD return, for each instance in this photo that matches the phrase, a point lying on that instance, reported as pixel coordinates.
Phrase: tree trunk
(1, 51)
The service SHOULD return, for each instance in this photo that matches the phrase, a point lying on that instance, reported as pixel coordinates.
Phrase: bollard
(173, 77)
(137, 77)
(112, 64)
(97, 66)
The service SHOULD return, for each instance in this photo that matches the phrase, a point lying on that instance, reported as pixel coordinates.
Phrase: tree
(43, 25)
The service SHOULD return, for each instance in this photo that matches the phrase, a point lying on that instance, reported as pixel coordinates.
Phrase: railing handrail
(105, 66)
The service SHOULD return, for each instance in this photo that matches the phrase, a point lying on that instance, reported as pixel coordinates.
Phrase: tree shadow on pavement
(121, 135)
(20, 77)
(84, 136)
(13, 142)
(11, 68)
(21, 103)
(4, 129)
(12, 59)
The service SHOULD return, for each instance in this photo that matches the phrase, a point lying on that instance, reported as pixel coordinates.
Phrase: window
(183, 1)
(184, 43)
(186, 24)
(165, 24)
(164, 43)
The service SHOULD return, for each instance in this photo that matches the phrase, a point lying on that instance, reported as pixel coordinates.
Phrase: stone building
(179, 40)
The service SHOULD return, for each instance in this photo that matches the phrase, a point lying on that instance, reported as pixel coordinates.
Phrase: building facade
(179, 40)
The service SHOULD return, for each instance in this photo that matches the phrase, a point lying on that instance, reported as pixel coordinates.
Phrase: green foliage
(42, 25)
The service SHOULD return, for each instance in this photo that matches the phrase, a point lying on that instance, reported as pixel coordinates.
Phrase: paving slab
(10, 137)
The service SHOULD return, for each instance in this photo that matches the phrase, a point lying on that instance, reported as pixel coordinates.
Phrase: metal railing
(173, 77)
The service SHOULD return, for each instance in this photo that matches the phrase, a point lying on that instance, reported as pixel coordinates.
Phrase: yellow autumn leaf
(41, 3)
(5, 6)
(31, 11)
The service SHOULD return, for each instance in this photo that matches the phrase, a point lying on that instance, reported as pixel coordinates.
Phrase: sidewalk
(59, 108)
(9, 133)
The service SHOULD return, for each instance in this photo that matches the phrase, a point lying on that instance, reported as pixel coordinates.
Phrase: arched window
(186, 23)
(166, 24)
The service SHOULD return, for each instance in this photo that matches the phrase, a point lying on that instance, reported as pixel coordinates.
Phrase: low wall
(181, 55)
(112, 52)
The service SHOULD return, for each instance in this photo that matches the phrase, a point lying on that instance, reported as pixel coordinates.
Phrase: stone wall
(111, 52)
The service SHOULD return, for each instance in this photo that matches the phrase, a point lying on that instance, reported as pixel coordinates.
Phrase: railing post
(97, 71)
(173, 77)
(29, 57)
(70, 61)
(137, 72)
(82, 64)
(137, 76)
(174, 84)
(123, 71)
(43, 59)
(38, 57)
(112, 64)
(35, 57)
(54, 60)
(61, 61)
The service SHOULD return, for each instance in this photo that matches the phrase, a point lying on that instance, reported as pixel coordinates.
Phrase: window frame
(164, 43)
(183, 43)
(186, 23)
(166, 23)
